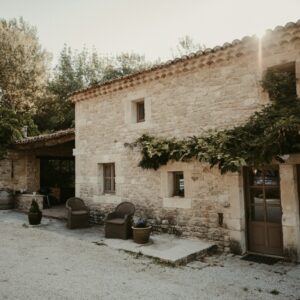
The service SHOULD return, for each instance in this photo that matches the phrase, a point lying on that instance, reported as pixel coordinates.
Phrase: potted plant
(34, 214)
(141, 231)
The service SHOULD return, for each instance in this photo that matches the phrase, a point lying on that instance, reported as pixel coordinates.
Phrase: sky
(148, 27)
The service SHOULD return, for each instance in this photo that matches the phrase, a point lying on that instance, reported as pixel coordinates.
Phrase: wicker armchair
(78, 213)
(118, 223)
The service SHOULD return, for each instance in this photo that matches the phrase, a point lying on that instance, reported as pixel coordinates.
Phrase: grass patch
(138, 255)
(274, 292)
(131, 253)
(163, 263)
(154, 260)
(99, 243)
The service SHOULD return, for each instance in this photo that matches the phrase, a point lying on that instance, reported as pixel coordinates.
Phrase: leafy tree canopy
(186, 46)
(23, 79)
(23, 66)
(11, 125)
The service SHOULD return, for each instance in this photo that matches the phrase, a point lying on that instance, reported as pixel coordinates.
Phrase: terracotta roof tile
(46, 137)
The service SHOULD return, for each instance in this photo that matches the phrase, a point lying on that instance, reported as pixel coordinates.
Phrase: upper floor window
(137, 111)
(140, 111)
(109, 185)
(280, 82)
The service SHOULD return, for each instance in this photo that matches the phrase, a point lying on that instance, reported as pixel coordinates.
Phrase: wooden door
(263, 210)
(298, 183)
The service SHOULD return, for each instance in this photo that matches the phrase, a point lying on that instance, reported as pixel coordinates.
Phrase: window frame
(176, 184)
(289, 67)
(140, 117)
(111, 178)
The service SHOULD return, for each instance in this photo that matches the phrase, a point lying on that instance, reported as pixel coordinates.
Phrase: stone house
(214, 89)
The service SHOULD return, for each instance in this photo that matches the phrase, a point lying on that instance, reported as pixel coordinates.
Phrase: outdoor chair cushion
(116, 221)
(79, 212)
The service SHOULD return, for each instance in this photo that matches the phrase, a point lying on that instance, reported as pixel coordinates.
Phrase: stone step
(166, 248)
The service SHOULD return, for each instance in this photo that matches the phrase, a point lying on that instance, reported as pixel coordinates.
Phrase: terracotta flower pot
(34, 218)
(141, 235)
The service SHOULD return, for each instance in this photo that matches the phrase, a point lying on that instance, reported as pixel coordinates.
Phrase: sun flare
(260, 32)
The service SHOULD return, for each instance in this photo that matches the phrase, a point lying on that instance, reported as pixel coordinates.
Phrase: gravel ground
(38, 263)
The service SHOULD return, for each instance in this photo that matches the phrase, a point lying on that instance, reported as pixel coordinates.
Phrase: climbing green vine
(268, 134)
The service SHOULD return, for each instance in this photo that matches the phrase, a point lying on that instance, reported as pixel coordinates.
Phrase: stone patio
(164, 247)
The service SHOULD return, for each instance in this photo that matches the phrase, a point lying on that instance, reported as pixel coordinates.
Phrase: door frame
(245, 174)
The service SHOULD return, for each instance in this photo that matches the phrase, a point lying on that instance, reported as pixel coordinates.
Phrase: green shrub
(34, 208)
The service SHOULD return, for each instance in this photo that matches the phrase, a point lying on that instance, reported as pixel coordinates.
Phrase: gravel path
(38, 263)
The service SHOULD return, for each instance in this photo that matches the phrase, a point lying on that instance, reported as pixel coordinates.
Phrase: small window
(140, 111)
(109, 178)
(286, 86)
(178, 184)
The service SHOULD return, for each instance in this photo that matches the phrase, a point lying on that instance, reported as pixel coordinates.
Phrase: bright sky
(150, 27)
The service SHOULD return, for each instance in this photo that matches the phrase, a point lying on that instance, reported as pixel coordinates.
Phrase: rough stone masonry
(214, 89)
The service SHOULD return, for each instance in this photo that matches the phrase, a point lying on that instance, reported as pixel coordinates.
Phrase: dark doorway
(263, 208)
(57, 176)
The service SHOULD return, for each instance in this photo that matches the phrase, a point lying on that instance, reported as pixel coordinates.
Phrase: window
(140, 111)
(287, 86)
(137, 112)
(178, 184)
(109, 185)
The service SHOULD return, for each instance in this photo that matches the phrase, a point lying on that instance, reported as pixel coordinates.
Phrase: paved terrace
(165, 247)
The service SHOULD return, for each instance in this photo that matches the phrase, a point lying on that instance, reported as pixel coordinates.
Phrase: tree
(124, 64)
(11, 124)
(23, 79)
(186, 45)
(23, 66)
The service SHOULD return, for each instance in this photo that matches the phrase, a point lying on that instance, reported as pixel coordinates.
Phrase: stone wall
(20, 171)
(214, 96)
(23, 201)
(13, 171)
(5, 173)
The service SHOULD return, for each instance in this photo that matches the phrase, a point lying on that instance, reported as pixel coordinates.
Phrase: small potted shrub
(34, 214)
(141, 231)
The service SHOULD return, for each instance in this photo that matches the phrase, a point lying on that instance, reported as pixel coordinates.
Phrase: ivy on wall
(268, 134)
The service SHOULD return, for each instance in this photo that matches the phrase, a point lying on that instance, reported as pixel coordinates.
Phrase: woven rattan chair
(78, 213)
(118, 223)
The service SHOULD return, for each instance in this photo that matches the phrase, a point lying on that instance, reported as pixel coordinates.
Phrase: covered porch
(43, 168)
